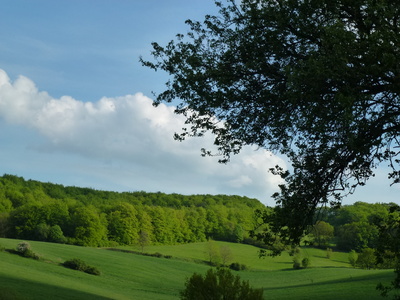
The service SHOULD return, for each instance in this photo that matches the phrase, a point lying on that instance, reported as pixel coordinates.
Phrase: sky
(76, 104)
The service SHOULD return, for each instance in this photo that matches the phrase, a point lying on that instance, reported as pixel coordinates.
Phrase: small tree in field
(367, 259)
(144, 239)
(226, 255)
(219, 284)
(353, 256)
(212, 253)
(329, 252)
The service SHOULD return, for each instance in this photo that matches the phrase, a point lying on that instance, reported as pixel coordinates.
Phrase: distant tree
(212, 253)
(219, 284)
(90, 228)
(123, 225)
(225, 254)
(56, 235)
(4, 224)
(305, 262)
(366, 259)
(353, 257)
(389, 247)
(144, 239)
(329, 252)
(323, 232)
(357, 236)
(42, 232)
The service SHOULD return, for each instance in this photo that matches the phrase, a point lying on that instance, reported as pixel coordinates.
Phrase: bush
(366, 259)
(329, 252)
(297, 261)
(296, 265)
(24, 249)
(238, 267)
(305, 262)
(80, 265)
(219, 284)
(353, 256)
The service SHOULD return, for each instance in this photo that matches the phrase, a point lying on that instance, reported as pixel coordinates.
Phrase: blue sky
(75, 103)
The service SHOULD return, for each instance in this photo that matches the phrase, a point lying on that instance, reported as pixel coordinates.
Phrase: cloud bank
(126, 141)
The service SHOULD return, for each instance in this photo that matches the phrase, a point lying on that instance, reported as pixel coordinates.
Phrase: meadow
(133, 276)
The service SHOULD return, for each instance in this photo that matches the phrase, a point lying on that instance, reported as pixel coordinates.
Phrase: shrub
(237, 267)
(219, 284)
(24, 249)
(295, 251)
(296, 264)
(353, 256)
(297, 261)
(329, 252)
(56, 235)
(80, 265)
(305, 263)
(366, 259)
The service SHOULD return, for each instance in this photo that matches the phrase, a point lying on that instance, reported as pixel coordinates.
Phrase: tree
(219, 284)
(366, 259)
(225, 254)
(144, 239)
(317, 81)
(323, 232)
(90, 229)
(357, 236)
(123, 224)
(212, 253)
(353, 257)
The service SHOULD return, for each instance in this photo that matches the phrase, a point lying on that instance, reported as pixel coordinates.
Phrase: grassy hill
(133, 276)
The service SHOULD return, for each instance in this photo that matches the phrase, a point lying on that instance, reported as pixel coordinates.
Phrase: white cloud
(126, 138)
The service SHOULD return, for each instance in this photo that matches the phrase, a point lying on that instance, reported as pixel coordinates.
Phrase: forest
(50, 212)
(83, 216)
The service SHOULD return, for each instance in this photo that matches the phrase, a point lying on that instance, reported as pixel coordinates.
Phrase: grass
(132, 276)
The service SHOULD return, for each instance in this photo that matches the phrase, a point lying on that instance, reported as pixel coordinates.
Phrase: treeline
(51, 212)
(352, 227)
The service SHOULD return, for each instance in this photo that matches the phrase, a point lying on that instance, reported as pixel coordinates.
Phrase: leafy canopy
(315, 80)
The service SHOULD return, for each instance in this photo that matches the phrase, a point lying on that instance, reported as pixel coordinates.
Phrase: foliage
(219, 284)
(296, 263)
(305, 262)
(24, 249)
(357, 235)
(366, 259)
(80, 265)
(322, 232)
(226, 255)
(238, 267)
(353, 257)
(388, 250)
(212, 253)
(89, 217)
(144, 239)
(244, 73)
(329, 253)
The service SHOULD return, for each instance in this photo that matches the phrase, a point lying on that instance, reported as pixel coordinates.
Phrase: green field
(132, 276)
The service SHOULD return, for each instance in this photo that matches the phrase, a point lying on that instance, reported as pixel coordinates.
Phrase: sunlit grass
(132, 276)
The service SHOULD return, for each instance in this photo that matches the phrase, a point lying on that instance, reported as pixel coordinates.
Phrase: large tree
(315, 80)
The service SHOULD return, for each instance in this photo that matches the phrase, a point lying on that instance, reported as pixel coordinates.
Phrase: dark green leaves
(317, 81)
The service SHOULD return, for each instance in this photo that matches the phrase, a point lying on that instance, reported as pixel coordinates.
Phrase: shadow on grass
(12, 288)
